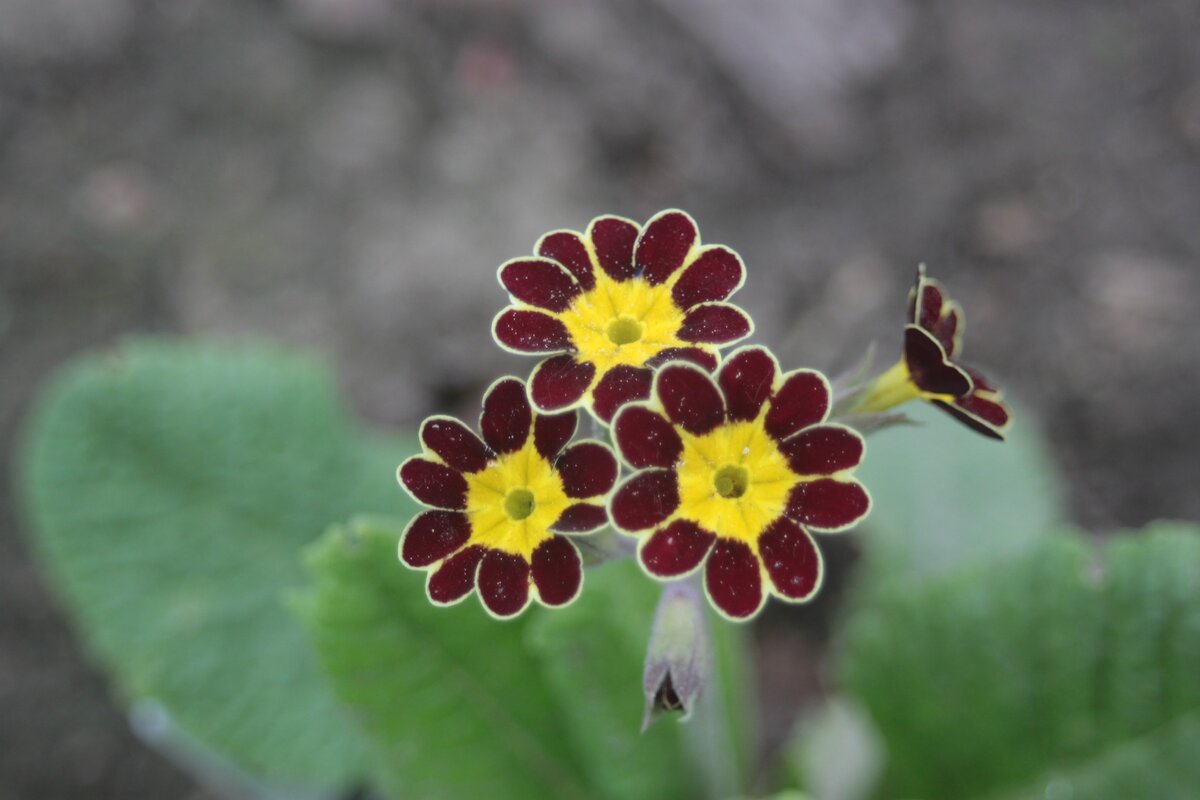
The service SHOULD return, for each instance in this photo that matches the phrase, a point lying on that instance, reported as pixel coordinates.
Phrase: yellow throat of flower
(512, 503)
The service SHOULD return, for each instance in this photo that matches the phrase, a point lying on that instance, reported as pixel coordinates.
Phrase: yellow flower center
(734, 481)
(512, 503)
(624, 322)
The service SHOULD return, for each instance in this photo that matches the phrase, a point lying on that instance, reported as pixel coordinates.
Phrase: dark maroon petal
(930, 309)
(455, 443)
(689, 397)
(823, 450)
(927, 365)
(434, 484)
(664, 245)
(645, 500)
(506, 416)
(828, 504)
(982, 410)
(645, 438)
(613, 238)
(560, 381)
(945, 330)
(733, 579)
(587, 469)
(714, 275)
(527, 331)
(503, 583)
(455, 578)
(551, 432)
(802, 400)
(675, 549)
(539, 282)
(433, 535)
(557, 571)
(620, 385)
(746, 379)
(792, 560)
(696, 355)
(568, 249)
(715, 323)
(581, 517)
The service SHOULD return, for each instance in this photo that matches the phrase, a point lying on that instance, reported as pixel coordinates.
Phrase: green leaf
(455, 704)
(1041, 676)
(169, 489)
(945, 496)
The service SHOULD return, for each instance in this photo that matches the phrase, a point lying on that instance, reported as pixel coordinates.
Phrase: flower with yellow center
(612, 303)
(733, 474)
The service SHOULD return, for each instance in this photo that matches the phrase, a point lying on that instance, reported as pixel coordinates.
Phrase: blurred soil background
(346, 175)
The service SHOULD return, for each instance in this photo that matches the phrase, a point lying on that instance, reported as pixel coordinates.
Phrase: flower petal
(433, 535)
(455, 578)
(689, 397)
(434, 484)
(733, 579)
(620, 385)
(929, 367)
(644, 500)
(715, 323)
(506, 417)
(802, 400)
(982, 410)
(503, 583)
(746, 379)
(823, 450)
(455, 443)
(827, 504)
(664, 245)
(557, 571)
(568, 249)
(613, 239)
(581, 518)
(702, 358)
(929, 304)
(716, 273)
(792, 560)
(676, 549)
(539, 282)
(560, 382)
(587, 469)
(948, 329)
(522, 330)
(645, 438)
(551, 432)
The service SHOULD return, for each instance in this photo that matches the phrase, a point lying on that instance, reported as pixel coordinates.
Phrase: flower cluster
(731, 464)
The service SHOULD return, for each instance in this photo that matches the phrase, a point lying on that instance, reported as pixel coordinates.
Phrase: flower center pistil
(731, 481)
(519, 504)
(624, 330)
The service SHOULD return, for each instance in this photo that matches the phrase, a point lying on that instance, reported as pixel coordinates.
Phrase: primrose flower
(612, 303)
(929, 368)
(733, 473)
(500, 504)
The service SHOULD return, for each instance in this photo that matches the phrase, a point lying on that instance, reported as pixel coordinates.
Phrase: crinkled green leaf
(1063, 673)
(170, 488)
(454, 702)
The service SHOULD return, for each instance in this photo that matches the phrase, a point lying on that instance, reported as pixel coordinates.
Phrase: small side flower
(500, 504)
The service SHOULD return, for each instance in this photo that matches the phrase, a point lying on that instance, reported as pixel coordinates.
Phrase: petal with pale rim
(715, 323)
(560, 382)
(503, 583)
(506, 417)
(705, 359)
(646, 438)
(568, 249)
(581, 518)
(792, 560)
(551, 432)
(664, 245)
(715, 274)
(644, 500)
(540, 282)
(432, 536)
(928, 366)
(557, 571)
(620, 385)
(455, 443)
(827, 504)
(689, 397)
(747, 378)
(675, 549)
(733, 579)
(613, 239)
(434, 484)
(526, 331)
(823, 450)
(587, 469)
(455, 578)
(802, 400)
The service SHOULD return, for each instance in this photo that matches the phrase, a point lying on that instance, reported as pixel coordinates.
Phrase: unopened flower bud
(679, 659)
